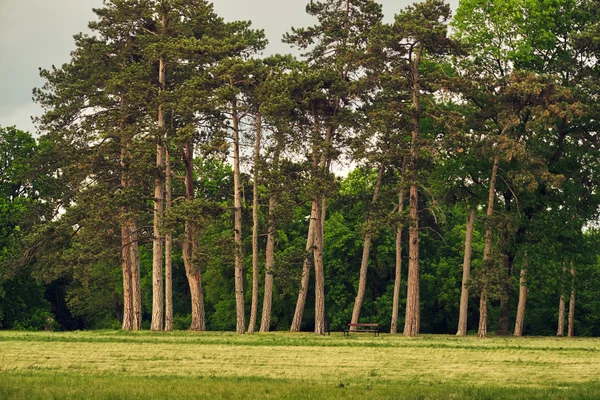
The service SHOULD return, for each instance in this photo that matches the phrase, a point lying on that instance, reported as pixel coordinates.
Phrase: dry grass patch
(358, 359)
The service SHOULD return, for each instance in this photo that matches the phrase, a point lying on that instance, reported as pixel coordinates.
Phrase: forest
(435, 173)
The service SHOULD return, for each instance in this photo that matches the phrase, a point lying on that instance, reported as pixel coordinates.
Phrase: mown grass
(113, 364)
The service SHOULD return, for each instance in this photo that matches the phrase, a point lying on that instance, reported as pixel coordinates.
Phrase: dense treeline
(428, 178)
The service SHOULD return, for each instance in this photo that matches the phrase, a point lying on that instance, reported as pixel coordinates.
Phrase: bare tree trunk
(522, 302)
(254, 306)
(561, 316)
(128, 313)
(398, 275)
(362, 282)
(561, 307)
(168, 247)
(412, 318)
(265, 322)
(190, 244)
(571, 323)
(487, 253)
(136, 291)
(319, 242)
(126, 269)
(300, 303)
(319, 273)
(464, 295)
(237, 205)
(310, 244)
(157, 241)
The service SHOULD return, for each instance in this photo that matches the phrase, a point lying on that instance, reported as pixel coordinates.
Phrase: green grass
(114, 364)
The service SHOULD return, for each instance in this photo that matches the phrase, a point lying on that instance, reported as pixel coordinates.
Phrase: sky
(39, 33)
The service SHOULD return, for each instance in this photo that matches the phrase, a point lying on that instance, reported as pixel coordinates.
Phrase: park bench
(362, 328)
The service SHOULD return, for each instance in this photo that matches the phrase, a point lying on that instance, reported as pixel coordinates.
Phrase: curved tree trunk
(254, 305)
(237, 205)
(190, 244)
(487, 253)
(522, 302)
(398, 274)
(362, 282)
(464, 295)
(168, 247)
(300, 303)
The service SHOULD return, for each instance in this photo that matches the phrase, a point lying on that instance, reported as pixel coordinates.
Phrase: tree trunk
(487, 253)
(319, 273)
(464, 295)
(128, 314)
(311, 244)
(561, 307)
(571, 323)
(362, 282)
(237, 205)
(132, 301)
(128, 317)
(134, 259)
(168, 247)
(398, 275)
(506, 289)
(412, 318)
(157, 241)
(300, 303)
(254, 306)
(522, 301)
(190, 244)
(265, 322)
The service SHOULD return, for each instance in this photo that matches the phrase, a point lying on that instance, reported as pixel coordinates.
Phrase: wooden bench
(362, 328)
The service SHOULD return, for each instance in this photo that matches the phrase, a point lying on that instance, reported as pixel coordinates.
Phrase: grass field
(114, 364)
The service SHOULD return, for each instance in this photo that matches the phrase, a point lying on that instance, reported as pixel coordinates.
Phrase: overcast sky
(39, 33)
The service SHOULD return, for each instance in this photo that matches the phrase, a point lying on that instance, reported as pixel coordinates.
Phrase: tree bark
(265, 323)
(254, 305)
(300, 303)
(319, 273)
(128, 314)
(487, 253)
(522, 302)
(157, 241)
(190, 245)
(136, 292)
(126, 270)
(571, 323)
(362, 282)
(237, 205)
(398, 274)
(168, 247)
(412, 318)
(464, 295)
(561, 307)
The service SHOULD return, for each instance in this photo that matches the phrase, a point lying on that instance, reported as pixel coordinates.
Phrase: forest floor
(147, 365)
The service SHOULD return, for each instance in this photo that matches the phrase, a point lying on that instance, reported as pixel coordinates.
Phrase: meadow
(146, 365)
